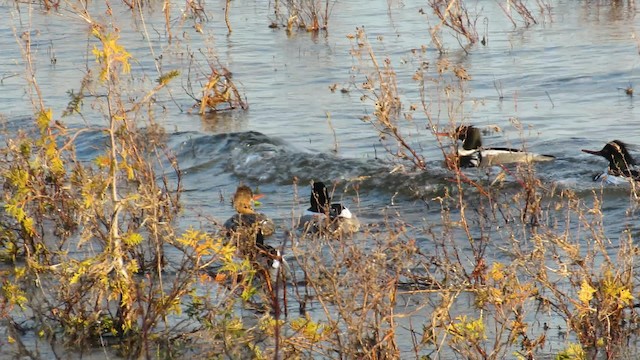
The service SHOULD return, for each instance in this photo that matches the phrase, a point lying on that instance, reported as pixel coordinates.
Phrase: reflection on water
(552, 87)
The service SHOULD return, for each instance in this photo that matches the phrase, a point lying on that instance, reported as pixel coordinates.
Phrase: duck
(246, 226)
(246, 217)
(621, 167)
(473, 154)
(325, 215)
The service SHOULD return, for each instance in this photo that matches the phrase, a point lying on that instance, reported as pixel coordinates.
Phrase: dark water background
(560, 79)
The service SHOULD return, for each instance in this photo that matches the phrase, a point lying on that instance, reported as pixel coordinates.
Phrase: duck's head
(469, 135)
(619, 157)
(319, 199)
(243, 200)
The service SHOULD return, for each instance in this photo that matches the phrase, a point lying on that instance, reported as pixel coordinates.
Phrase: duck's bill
(257, 196)
(592, 152)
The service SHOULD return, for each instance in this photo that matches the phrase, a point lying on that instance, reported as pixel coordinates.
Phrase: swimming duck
(246, 224)
(246, 217)
(473, 154)
(621, 163)
(322, 214)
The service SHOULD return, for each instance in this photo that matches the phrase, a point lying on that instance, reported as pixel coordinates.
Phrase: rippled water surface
(555, 87)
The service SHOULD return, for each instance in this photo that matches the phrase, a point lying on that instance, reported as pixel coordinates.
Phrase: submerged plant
(219, 92)
(309, 15)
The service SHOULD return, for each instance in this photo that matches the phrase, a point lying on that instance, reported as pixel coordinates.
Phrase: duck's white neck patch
(464, 152)
(345, 213)
(276, 262)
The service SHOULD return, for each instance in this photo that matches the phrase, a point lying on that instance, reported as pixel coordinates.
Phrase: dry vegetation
(383, 294)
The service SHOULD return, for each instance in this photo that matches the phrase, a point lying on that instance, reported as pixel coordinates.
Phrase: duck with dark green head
(473, 154)
(325, 216)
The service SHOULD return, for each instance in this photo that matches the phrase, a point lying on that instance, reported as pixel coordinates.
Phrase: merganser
(621, 163)
(246, 224)
(246, 217)
(340, 219)
(473, 154)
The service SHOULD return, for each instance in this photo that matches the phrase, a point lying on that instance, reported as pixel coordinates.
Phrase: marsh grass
(218, 90)
(455, 16)
(377, 82)
(307, 15)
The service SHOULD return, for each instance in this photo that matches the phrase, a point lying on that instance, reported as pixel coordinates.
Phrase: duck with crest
(473, 154)
(323, 215)
(621, 167)
(249, 228)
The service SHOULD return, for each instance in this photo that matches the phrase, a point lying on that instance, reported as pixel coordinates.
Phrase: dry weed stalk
(219, 93)
(380, 88)
(355, 284)
(454, 15)
(118, 209)
(310, 15)
(521, 9)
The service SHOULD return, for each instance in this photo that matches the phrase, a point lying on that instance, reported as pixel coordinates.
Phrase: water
(555, 87)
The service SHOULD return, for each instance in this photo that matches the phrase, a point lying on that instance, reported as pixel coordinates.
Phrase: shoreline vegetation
(144, 287)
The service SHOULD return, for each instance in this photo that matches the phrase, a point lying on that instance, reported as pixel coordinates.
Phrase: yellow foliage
(18, 213)
(205, 245)
(586, 292)
(614, 289)
(164, 79)
(572, 352)
(172, 304)
(20, 272)
(20, 179)
(133, 267)
(29, 226)
(626, 297)
(112, 54)
(234, 324)
(13, 294)
(190, 238)
(102, 161)
(310, 329)
(464, 330)
(55, 162)
(268, 324)
(43, 120)
(497, 272)
(132, 238)
(496, 296)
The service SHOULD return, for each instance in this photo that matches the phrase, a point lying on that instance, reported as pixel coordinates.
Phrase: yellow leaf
(132, 239)
(586, 292)
(497, 272)
(626, 297)
(43, 120)
(102, 161)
